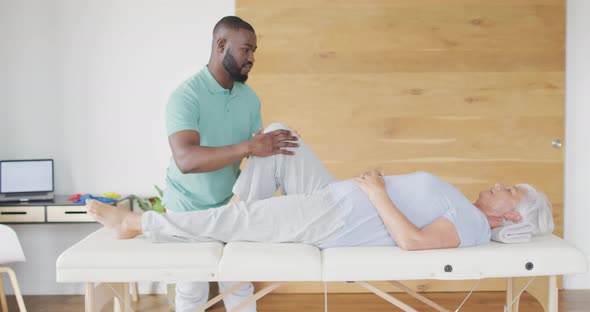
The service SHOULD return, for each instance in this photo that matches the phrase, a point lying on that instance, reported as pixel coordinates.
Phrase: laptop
(26, 180)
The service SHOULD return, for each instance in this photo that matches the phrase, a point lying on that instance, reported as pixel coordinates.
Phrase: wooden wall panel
(470, 90)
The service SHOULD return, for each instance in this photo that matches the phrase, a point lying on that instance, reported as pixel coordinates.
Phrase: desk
(59, 210)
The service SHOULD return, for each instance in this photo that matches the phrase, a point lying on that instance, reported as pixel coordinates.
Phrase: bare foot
(126, 224)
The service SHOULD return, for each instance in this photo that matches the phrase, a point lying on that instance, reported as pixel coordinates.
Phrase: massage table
(107, 265)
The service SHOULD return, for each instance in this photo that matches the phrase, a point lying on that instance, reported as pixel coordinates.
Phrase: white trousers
(191, 295)
(302, 173)
(304, 215)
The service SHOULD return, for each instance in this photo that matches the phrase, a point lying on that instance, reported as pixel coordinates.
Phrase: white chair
(10, 251)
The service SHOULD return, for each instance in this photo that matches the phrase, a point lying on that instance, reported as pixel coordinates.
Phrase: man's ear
(513, 216)
(221, 43)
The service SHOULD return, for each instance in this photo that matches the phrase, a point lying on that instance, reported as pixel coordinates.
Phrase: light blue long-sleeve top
(422, 197)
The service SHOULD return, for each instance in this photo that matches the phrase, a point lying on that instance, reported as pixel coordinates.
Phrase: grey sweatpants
(305, 214)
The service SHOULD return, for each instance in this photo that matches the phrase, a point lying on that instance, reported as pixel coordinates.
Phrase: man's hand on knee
(273, 142)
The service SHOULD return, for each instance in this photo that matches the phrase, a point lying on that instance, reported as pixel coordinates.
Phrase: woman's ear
(513, 216)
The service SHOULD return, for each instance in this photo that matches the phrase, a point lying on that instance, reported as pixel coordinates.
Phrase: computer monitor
(26, 176)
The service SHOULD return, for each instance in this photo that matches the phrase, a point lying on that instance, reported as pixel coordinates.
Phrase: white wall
(577, 142)
(86, 83)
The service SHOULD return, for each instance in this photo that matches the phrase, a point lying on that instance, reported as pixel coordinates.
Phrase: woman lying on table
(413, 211)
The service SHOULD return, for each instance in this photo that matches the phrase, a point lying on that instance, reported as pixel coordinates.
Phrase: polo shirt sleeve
(182, 112)
(256, 118)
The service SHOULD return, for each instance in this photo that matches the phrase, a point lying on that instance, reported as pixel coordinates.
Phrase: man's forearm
(199, 159)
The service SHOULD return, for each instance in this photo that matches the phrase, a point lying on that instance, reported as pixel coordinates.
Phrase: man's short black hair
(233, 23)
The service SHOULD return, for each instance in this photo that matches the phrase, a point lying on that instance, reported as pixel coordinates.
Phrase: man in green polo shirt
(213, 122)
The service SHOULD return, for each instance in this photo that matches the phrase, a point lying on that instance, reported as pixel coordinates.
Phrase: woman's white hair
(535, 208)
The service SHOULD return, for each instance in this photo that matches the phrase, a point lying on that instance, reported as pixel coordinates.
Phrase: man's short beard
(232, 68)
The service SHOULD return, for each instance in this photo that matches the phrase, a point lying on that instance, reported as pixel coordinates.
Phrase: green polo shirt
(222, 117)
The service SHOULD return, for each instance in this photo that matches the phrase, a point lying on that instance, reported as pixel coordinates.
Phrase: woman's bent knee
(276, 126)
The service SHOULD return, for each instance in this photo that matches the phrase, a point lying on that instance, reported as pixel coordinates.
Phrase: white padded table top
(101, 258)
(548, 255)
(244, 261)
